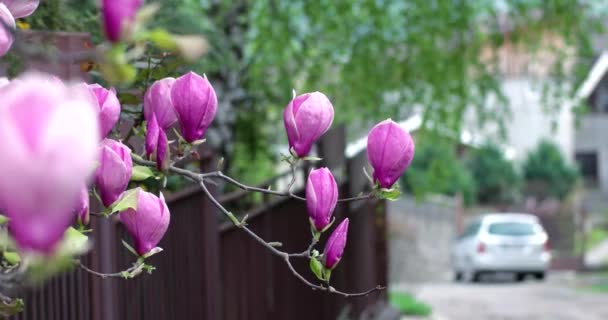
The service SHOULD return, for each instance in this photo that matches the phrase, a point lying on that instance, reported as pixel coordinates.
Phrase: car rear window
(512, 229)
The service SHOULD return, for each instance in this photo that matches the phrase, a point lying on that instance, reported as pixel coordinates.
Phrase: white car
(503, 242)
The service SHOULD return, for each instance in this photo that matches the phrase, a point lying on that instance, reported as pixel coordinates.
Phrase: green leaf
(162, 39)
(137, 157)
(127, 201)
(74, 243)
(389, 194)
(41, 267)
(327, 274)
(12, 258)
(128, 98)
(3, 219)
(141, 173)
(317, 268)
(128, 246)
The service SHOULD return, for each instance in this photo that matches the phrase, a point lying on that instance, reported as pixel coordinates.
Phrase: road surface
(555, 299)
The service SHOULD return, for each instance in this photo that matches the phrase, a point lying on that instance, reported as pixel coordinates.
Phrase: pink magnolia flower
(148, 223)
(48, 137)
(114, 171)
(390, 150)
(307, 117)
(117, 16)
(108, 106)
(157, 102)
(156, 144)
(321, 197)
(195, 105)
(82, 206)
(334, 248)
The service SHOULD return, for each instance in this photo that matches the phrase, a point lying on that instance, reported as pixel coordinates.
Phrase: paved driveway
(554, 299)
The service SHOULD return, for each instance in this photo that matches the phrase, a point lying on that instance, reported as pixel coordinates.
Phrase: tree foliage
(547, 173)
(372, 58)
(496, 177)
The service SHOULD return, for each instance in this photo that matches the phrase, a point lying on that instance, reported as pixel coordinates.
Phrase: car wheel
(458, 277)
(520, 277)
(476, 277)
(539, 276)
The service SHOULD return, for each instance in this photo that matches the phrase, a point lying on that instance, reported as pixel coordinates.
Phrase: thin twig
(357, 198)
(306, 253)
(108, 275)
(277, 252)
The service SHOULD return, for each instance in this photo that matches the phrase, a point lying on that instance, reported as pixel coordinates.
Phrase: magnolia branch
(137, 267)
(201, 178)
(220, 175)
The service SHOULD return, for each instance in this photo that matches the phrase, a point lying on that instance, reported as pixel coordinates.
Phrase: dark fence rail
(211, 270)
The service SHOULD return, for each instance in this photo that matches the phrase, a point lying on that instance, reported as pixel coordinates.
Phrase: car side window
(471, 230)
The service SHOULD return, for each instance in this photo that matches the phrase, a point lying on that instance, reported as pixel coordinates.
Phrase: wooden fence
(211, 270)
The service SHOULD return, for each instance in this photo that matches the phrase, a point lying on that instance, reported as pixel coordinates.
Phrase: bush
(408, 305)
(496, 178)
(436, 169)
(547, 173)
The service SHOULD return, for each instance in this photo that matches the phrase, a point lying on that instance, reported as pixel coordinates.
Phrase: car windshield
(512, 229)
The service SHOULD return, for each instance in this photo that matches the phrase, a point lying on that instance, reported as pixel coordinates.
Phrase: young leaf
(124, 243)
(12, 258)
(389, 194)
(317, 268)
(127, 201)
(141, 173)
(312, 159)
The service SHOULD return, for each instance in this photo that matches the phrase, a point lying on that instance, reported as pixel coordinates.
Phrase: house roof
(598, 71)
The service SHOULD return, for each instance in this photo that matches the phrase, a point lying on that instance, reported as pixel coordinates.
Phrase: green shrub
(496, 178)
(436, 169)
(547, 173)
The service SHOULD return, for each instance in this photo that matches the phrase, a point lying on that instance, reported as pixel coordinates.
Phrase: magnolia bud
(114, 171)
(9, 11)
(157, 101)
(321, 197)
(82, 207)
(195, 105)
(157, 144)
(118, 15)
(307, 117)
(390, 150)
(148, 223)
(334, 248)
(48, 137)
(108, 106)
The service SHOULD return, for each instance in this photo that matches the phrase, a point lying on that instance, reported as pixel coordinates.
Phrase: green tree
(374, 59)
(547, 173)
(436, 170)
(496, 178)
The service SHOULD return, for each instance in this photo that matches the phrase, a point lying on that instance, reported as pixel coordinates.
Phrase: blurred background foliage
(496, 178)
(437, 169)
(374, 58)
(547, 172)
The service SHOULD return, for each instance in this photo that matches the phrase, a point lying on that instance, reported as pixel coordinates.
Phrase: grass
(594, 237)
(408, 305)
(599, 288)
